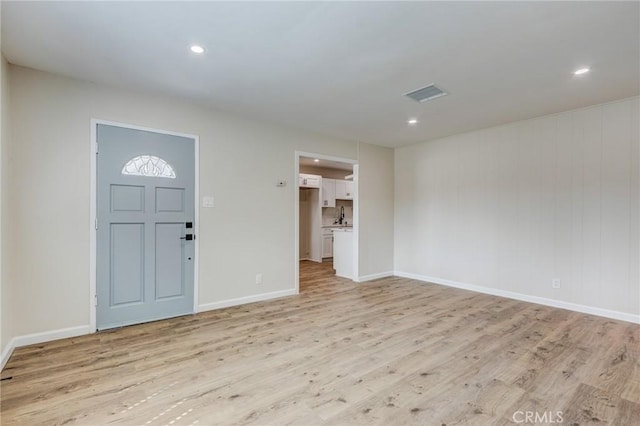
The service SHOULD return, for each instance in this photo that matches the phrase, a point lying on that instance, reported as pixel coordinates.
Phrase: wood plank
(390, 351)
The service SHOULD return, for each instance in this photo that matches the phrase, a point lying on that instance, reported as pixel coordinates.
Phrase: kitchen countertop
(337, 226)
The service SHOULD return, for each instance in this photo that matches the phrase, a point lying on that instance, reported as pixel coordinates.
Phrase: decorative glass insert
(148, 165)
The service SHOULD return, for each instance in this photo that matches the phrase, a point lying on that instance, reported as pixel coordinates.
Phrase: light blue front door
(145, 195)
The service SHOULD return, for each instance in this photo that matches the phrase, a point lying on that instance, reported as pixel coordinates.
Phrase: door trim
(93, 240)
(296, 213)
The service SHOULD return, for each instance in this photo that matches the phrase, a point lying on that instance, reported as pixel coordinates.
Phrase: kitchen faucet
(341, 218)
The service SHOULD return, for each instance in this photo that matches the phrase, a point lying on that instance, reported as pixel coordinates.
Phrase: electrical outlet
(258, 278)
(555, 283)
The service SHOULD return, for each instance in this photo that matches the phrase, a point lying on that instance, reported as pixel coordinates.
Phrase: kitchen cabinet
(328, 192)
(344, 190)
(309, 181)
(343, 252)
(327, 243)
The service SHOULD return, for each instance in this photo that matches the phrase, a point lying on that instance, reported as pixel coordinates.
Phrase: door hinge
(95, 300)
(97, 148)
(96, 224)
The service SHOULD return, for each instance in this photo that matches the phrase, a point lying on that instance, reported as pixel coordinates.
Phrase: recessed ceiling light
(316, 160)
(197, 49)
(581, 71)
(412, 121)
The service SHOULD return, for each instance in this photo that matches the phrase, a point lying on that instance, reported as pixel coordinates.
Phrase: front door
(145, 226)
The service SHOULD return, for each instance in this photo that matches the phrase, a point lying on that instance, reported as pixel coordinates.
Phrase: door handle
(188, 237)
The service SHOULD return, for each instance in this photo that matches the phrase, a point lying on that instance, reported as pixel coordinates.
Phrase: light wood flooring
(388, 352)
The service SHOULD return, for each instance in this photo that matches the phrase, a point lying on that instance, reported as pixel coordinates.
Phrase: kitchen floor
(314, 275)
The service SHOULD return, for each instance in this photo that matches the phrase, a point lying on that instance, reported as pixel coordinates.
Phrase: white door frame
(93, 241)
(296, 210)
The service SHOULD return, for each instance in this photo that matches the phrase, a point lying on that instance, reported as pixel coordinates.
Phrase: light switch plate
(207, 201)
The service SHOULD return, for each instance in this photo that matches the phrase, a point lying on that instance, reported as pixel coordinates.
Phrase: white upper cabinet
(328, 192)
(344, 190)
(309, 181)
(350, 189)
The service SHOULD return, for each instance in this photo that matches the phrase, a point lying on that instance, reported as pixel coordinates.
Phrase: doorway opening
(326, 220)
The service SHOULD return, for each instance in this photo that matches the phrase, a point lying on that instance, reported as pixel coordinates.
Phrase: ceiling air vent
(426, 93)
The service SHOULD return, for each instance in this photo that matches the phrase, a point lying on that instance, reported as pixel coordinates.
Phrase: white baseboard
(45, 336)
(6, 353)
(623, 316)
(247, 299)
(370, 277)
(344, 276)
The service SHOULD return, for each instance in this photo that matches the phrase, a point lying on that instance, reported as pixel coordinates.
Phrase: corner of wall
(2, 101)
(375, 211)
(2, 121)
(6, 321)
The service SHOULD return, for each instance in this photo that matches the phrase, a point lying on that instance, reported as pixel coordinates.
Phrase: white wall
(6, 328)
(249, 231)
(512, 207)
(6, 331)
(375, 211)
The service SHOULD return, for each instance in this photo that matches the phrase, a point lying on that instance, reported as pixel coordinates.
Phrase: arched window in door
(148, 165)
